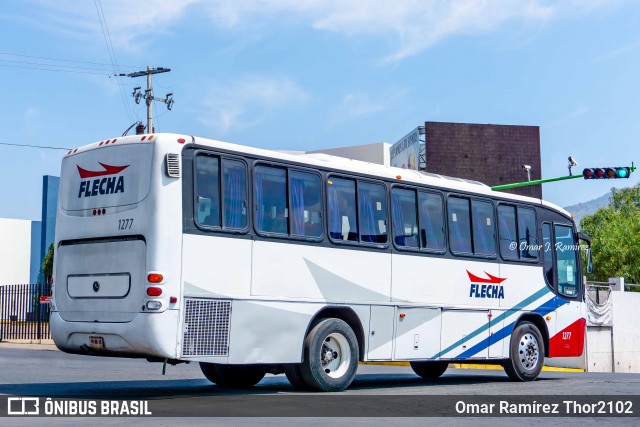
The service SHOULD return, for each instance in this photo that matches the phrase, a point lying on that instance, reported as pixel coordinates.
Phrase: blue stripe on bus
(499, 318)
(549, 306)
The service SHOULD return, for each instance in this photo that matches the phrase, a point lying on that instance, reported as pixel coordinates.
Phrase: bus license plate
(96, 342)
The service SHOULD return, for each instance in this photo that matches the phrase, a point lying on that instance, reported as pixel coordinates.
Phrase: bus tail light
(154, 291)
(155, 278)
(173, 300)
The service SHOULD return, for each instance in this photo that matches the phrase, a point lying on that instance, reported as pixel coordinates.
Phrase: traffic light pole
(630, 169)
(536, 182)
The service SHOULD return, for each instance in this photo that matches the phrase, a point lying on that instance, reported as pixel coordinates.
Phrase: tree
(615, 236)
(47, 264)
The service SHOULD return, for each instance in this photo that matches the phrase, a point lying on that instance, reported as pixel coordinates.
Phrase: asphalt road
(377, 389)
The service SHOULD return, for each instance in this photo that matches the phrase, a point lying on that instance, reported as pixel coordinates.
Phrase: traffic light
(607, 173)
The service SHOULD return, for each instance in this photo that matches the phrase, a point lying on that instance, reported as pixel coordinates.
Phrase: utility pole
(148, 94)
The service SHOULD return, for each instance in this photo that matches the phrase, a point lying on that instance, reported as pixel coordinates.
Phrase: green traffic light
(622, 172)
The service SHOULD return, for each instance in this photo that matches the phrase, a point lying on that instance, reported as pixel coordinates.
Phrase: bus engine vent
(206, 327)
(173, 165)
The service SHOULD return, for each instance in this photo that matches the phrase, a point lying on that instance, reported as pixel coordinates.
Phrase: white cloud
(355, 106)
(248, 101)
(128, 22)
(411, 26)
(579, 111)
(414, 25)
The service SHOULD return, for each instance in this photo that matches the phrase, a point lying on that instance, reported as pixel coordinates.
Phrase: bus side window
(431, 221)
(507, 231)
(484, 237)
(566, 260)
(405, 221)
(372, 208)
(459, 226)
(271, 199)
(527, 234)
(547, 245)
(306, 198)
(208, 190)
(343, 221)
(234, 194)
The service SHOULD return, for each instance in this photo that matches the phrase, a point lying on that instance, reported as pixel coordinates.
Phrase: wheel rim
(529, 351)
(335, 355)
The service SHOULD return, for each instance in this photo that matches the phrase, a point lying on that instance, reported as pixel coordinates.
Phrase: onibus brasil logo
(103, 182)
(488, 287)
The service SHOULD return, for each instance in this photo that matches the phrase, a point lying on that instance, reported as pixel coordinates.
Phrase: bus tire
(293, 371)
(526, 353)
(429, 370)
(330, 356)
(239, 376)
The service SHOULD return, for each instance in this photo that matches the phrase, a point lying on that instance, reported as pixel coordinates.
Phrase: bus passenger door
(381, 332)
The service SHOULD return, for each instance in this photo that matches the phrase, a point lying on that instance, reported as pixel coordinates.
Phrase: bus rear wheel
(429, 370)
(330, 356)
(240, 376)
(526, 353)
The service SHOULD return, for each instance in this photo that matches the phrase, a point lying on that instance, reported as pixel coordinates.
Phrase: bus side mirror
(588, 253)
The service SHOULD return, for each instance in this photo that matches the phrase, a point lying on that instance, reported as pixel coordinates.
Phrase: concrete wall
(626, 331)
(15, 251)
(616, 348)
(373, 153)
(599, 349)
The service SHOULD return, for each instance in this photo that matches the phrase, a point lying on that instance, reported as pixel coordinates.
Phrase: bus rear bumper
(147, 335)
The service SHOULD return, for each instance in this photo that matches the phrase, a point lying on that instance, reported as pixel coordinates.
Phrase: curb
(26, 345)
(474, 366)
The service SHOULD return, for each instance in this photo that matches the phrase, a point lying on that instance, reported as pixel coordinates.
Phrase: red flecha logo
(101, 186)
(108, 170)
(490, 288)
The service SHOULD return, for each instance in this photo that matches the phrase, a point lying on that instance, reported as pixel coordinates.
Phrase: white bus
(175, 249)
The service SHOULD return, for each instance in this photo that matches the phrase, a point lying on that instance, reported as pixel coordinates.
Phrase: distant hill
(588, 208)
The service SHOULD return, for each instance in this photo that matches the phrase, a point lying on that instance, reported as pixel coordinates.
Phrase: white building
(15, 251)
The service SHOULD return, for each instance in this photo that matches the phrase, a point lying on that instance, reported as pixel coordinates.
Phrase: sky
(305, 75)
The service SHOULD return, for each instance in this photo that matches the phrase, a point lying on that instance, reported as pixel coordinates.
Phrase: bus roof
(323, 160)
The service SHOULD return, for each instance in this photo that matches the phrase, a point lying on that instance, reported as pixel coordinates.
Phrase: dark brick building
(492, 154)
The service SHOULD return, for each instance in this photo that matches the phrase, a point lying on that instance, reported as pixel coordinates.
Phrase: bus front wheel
(526, 353)
(429, 370)
(241, 376)
(330, 356)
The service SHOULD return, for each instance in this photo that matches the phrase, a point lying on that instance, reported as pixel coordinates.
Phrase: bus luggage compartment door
(100, 281)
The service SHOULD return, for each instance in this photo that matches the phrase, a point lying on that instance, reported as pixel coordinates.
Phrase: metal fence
(24, 312)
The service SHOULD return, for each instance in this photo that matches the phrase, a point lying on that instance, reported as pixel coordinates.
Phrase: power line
(64, 60)
(53, 69)
(54, 65)
(35, 146)
(112, 54)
